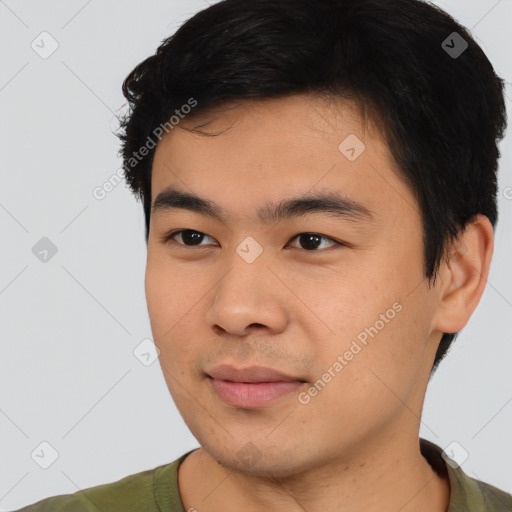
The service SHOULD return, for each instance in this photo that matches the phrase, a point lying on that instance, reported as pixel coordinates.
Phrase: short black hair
(436, 97)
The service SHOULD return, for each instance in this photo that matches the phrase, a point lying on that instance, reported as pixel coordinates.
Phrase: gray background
(69, 327)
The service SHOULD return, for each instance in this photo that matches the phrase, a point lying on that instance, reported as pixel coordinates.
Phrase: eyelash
(168, 238)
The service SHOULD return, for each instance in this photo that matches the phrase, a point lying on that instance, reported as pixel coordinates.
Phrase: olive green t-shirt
(156, 490)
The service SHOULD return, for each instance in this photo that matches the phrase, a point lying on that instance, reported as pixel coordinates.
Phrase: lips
(253, 374)
(253, 387)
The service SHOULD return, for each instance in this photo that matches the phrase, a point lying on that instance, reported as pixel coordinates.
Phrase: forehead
(253, 152)
(300, 113)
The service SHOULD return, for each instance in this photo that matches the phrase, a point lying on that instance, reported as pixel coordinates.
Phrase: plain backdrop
(71, 327)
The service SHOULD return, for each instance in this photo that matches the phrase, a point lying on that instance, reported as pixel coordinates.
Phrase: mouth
(251, 375)
(252, 387)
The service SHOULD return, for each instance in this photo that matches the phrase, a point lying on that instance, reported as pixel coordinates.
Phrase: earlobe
(464, 275)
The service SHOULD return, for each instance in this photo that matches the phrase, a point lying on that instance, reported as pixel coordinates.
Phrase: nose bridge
(247, 269)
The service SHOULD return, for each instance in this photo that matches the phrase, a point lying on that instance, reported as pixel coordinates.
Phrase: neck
(385, 475)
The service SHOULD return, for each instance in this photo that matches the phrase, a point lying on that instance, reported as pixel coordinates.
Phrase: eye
(190, 238)
(311, 241)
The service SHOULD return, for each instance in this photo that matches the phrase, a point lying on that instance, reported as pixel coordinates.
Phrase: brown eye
(189, 237)
(311, 241)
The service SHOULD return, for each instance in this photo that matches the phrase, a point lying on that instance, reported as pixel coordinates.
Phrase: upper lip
(250, 374)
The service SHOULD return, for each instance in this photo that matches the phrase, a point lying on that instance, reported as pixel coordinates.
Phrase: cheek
(165, 301)
(174, 302)
(373, 380)
(355, 304)
(159, 298)
(393, 360)
(379, 329)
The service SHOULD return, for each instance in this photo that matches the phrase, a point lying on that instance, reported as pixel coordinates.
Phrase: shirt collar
(465, 494)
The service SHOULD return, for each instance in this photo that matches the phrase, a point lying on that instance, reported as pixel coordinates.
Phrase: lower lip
(243, 394)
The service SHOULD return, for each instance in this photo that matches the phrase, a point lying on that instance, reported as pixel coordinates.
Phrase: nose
(249, 297)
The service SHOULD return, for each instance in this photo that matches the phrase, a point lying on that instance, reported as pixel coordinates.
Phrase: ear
(463, 275)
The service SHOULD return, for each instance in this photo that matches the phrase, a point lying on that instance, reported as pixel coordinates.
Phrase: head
(251, 104)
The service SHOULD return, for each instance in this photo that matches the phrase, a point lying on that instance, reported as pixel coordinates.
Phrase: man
(319, 185)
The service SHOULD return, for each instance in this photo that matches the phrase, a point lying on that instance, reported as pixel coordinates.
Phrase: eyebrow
(329, 202)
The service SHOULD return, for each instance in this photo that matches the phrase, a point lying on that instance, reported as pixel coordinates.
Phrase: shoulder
(471, 494)
(132, 493)
(495, 500)
(467, 494)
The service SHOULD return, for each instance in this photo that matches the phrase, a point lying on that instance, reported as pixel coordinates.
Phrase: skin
(356, 442)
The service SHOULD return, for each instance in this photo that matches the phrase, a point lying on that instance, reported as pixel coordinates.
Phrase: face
(330, 294)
